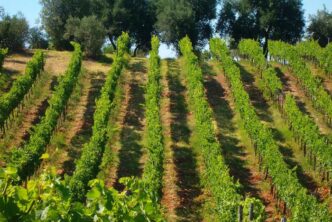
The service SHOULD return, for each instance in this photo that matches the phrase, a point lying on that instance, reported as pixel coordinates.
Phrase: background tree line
(91, 22)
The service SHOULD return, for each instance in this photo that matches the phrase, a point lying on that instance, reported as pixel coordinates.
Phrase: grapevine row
(27, 158)
(308, 133)
(87, 166)
(249, 46)
(216, 177)
(270, 82)
(303, 127)
(10, 100)
(47, 198)
(304, 207)
(320, 56)
(153, 170)
(312, 86)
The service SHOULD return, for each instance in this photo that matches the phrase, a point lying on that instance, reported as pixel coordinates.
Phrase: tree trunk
(135, 51)
(112, 41)
(266, 43)
(266, 47)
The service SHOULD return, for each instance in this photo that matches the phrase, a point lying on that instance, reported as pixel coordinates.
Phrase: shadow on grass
(7, 78)
(207, 69)
(102, 59)
(256, 96)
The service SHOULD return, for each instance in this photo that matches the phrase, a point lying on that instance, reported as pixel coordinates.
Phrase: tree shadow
(82, 136)
(104, 59)
(256, 96)
(132, 127)
(10, 72)
(25, 53)
(16, 61)
(188, 181)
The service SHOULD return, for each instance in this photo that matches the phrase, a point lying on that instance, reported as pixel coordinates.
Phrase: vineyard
(233, 136)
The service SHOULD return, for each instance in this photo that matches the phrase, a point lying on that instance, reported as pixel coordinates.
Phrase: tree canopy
(320, 27)
(14, 31)
(37, 39)
(55, 14)
(141, 18)
(89, 31)
(116, 16)
(262, 20)
(171, 20)
(178, 18)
